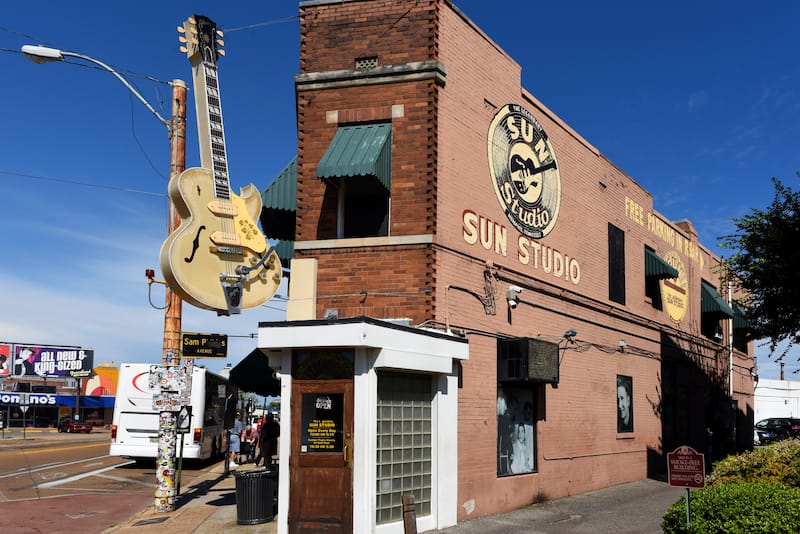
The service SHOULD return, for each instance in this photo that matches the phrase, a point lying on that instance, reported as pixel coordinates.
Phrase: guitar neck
(209, 125)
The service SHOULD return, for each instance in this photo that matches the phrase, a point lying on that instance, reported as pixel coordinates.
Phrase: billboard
(52, 362)
(5, 359)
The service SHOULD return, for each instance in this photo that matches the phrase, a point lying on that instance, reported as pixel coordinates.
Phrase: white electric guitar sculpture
(217, 259)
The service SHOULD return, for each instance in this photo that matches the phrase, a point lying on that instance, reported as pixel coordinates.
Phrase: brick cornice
(420, 70)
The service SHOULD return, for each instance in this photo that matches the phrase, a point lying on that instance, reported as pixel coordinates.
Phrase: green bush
(737, 507)
(778, 463)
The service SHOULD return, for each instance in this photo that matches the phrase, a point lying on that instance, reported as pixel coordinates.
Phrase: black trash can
(254, 495)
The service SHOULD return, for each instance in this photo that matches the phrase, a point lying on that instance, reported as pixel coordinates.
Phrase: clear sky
(696, 101)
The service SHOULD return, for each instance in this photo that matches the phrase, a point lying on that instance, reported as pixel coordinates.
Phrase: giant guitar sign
(217, 259)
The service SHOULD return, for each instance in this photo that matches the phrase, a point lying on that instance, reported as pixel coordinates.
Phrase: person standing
(235, 439)
(270, 431)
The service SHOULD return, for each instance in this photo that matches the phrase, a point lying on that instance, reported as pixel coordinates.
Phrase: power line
(82, 184)
(260, 24)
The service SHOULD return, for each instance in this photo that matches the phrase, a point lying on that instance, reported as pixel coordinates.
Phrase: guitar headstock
(201, 38)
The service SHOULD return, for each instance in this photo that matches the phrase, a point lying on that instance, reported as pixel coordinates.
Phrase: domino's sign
(34, 399)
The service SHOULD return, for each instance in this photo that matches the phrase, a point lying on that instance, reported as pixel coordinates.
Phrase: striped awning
(655, 267)
(361, 150)
(712, 302)
(279, 204)
(740, 321)
(281, 194)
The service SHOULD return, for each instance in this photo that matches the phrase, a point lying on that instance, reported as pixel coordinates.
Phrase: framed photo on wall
(516, 451)
(624, 403)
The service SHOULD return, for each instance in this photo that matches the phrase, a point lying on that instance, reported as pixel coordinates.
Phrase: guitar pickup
(226, 249)
(226, 238)
(223, 208)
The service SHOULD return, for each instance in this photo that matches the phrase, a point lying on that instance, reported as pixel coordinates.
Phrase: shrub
(778, 463)
(737, 507)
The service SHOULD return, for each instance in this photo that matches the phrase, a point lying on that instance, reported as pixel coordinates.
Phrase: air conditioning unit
(527, 359)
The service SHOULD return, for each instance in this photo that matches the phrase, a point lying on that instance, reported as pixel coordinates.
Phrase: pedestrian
(270, 431)
(249, 442)
(235, 439)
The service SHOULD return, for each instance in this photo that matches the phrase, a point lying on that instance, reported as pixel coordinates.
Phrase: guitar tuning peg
(219, 32)
(181, 39)
(220, 42)
(183, 49)
(221, 52)
(181, 29)
(192, 20)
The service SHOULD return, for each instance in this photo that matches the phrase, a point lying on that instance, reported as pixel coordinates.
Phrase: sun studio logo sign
(524, 171)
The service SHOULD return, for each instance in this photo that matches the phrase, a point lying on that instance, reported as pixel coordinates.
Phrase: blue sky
(696, 101)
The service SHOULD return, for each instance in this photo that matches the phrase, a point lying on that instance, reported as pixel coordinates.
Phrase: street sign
(194, 345)
(24, 401)
(686, 468)
(184, 421)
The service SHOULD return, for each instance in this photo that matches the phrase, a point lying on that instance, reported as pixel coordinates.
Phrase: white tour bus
(134, 428)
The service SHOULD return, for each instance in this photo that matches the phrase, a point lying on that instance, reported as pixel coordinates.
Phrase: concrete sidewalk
(633, 508)
(207, 506)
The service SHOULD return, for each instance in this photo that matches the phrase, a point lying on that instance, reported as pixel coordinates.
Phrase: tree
(765, 265)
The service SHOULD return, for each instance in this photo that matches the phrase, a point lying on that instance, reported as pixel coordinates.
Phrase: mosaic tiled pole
(165, 468)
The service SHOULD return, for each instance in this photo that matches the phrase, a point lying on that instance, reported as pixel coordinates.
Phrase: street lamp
(43, 54)
(177, 134)
(165, 491)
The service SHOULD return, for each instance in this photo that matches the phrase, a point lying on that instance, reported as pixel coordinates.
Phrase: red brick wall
(440, 170)
(334, 36)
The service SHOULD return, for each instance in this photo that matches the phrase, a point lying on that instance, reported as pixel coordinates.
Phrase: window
(358, 163)
(655, 270)
(616, 264)
(713, 309)
(364, 208)
(404, 464)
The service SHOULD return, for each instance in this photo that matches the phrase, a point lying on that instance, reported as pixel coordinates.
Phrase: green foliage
(778, 463)
(765, 263)
(757, 491)
(740, 507)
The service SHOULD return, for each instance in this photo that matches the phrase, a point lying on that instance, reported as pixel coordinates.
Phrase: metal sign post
(686, 468)
(23, 405)
(184, 423)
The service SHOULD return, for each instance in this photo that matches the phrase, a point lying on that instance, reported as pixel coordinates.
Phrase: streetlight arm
(43, 54)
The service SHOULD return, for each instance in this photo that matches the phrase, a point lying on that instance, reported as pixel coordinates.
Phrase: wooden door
(321, 481)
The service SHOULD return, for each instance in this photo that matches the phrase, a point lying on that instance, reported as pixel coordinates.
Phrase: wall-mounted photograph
(624, 403)
(516, 450)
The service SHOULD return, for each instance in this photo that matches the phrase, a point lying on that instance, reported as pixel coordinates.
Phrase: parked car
(776, 429)
(70, 425)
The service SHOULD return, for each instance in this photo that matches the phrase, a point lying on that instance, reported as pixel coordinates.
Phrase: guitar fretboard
(216, 132)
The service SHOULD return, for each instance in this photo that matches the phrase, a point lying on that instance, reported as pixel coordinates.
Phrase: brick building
(484, 311)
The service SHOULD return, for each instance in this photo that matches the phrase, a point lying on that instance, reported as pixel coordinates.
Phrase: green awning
(281, 194)
(655, 267)
(279, 205)
(711, 301)
(285, 250)
(740, 321)
(362, 150)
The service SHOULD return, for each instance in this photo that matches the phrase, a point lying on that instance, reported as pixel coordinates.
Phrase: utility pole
(165, 474)
(172, 315)
(167, 420)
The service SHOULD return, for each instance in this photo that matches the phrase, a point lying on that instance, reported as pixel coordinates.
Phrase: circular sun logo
(524, 171)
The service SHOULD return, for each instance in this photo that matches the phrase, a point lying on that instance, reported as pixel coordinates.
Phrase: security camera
(512, 296)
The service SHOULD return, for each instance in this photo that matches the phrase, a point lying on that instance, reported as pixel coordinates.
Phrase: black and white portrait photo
(624, 403)
(515, 442)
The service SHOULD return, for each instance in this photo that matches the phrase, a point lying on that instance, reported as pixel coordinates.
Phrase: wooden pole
(165, 468)
(172, 315)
